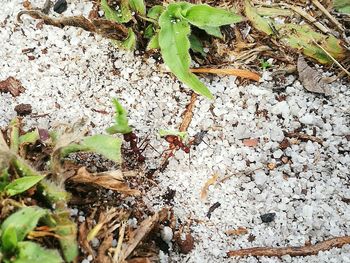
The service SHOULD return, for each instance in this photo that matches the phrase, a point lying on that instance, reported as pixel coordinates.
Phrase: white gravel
(81, 73)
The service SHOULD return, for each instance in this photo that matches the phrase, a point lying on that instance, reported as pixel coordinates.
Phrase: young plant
(122, 126)
(174, 37)
(171, 32)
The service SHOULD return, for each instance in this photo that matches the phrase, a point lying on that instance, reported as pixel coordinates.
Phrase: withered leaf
(211, 181)
(12, 86)
(311, 79)
(110, 181)
(106, 28)
(142, 231)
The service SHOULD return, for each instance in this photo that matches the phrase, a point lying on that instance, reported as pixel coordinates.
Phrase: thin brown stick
(229, 71)
(304, 137)
(188, 114)
(307, 250)
(330, 17)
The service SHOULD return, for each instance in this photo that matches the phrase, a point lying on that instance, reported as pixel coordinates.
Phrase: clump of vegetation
(33, 199)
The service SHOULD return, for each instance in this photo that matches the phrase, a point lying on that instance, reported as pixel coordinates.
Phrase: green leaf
(29, 137)
(24, 220)
(121, 120)
(123, 15)
(303, 37)
(125, 11)
(106, 145)
(22, 184)
(110, 13)
(67, 230)
(342, 6)
(130, 42)
(207, 16)
(9, 239)
(149, 31)
(153, 42)
(138, 6)
(175, 45)
(164, 133)
(260, 23)
(214, 31)
(32, 252)
(155, 12)
(196, 45)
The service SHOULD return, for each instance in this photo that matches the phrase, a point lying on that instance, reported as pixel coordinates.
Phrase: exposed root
(106, 28)
(307, 250)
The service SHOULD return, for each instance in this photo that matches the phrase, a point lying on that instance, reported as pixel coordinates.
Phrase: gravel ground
(71, 74)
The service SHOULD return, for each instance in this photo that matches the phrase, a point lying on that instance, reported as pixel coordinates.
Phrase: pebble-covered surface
(70, 74)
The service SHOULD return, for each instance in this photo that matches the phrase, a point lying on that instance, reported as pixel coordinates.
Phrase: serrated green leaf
(153, 42)
(164, 133)
(9, 239)
(32, 252)
(29, 137)
(175, 45)
(155, 12)
(214, 31)
(138, 6)
(207, 16)
(106, 145)
(22, 184)
(121, 120)
(342, 6)
(196, 45)
(24, 220)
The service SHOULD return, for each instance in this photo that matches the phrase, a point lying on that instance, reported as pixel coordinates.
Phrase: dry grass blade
(304, 137)
(212, 180)
(291, 251)
(311, 79)
(106, 28)
(235, 72)
(106, 180)
(141, 232)
(188, 114)
(330, 17)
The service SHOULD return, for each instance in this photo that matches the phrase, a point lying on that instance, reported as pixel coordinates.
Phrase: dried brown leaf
(235, 72)
(139, 260)
(211, 181)
(112, 181)
(311, 79)
(12, 86)
(106, 28)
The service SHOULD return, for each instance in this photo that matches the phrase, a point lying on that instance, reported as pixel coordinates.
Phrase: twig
(308, 17)
(106, 28)
(291, 251)
(188, 114)
(235, 72)
(303, 136)
(325, 11)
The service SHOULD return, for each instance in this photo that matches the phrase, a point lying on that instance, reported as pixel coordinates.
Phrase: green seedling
(264, 64)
